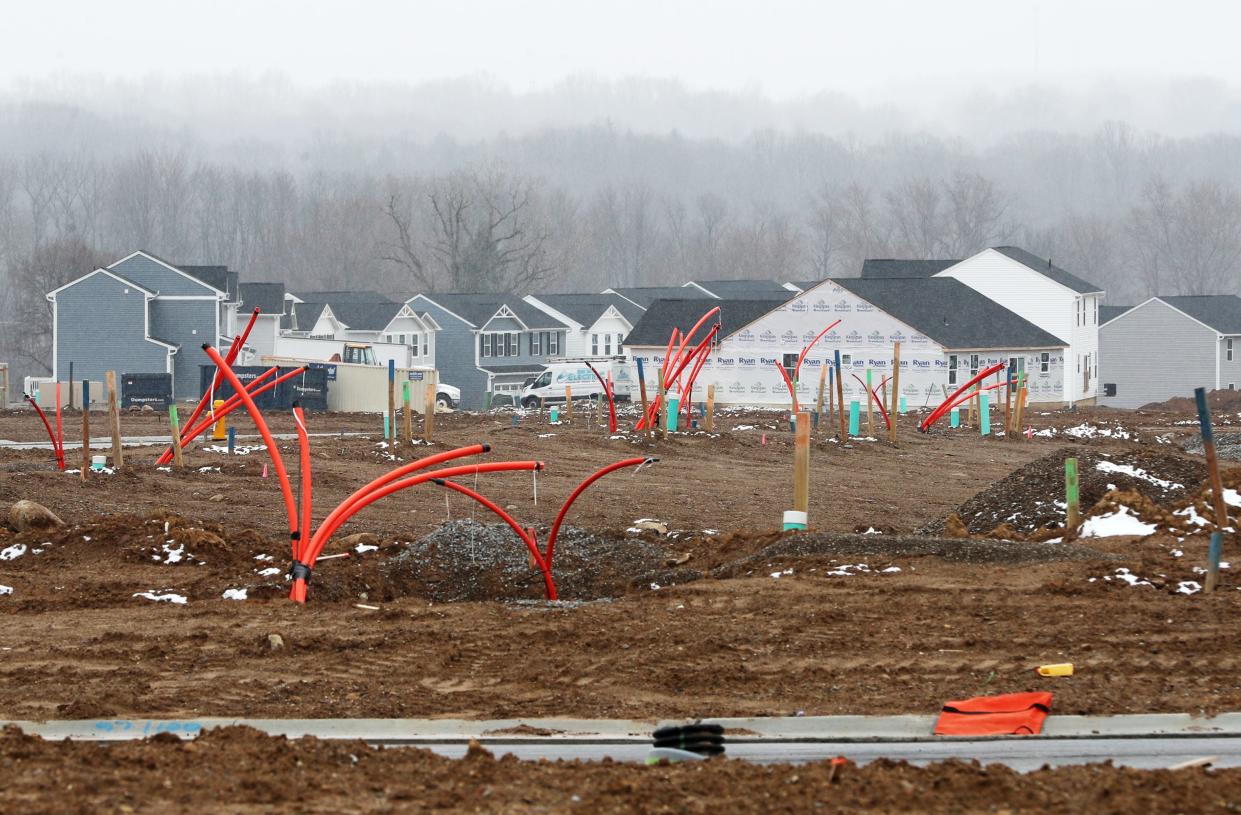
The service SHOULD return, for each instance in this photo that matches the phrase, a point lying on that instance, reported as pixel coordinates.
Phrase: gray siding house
(139, 315)
(489, 343)
(1168, 346)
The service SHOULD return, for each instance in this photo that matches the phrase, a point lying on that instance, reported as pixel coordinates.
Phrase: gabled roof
(170, 267)
(478, 308)
(885, 268)
(267, 296)
(308, 314)
(801, 285)
(1109, 313)
(1219, 311)
(645, 295)
(51, 295)
(950, 313)
(358, 316)
(588, 308)
(662, 316)
(737, 288)
(1047, 269)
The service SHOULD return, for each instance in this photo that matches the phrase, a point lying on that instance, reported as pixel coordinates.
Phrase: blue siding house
(139, 315)
(489, 343)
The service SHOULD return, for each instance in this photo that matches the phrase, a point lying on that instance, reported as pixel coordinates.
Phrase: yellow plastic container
(1059, 669)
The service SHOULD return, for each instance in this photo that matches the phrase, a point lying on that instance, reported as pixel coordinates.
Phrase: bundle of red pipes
(960, 395)
(791, 383)
(307, 547)
(675, 364)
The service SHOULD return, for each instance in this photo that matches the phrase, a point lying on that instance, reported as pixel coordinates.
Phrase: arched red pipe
(607, 391)
(564, 509)
(699, 362)
(953, 400)
(788, 383)
(57, 452)
(255, 388)
(883, 411)
(806, 350)
(653, 411)
(60, 429)
(272, 450)
(549, 585)
(328, 528)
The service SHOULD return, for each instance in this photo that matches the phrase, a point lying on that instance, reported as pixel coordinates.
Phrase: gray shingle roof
(360, 316)
(645, 295)
(267, 296)
(657, 323)
(345, 296)
(738, 289)
(478, 308)
(518, 368)
(1220, 311)
(1109, 313)
(308, 314)
(1047, 269)
(885, 268)
(950, 313)
(586, 308)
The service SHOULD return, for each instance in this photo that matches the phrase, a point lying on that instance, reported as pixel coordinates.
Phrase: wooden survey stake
(178, 455)
(568, 403)
(1072, 499)
(428, 407)
(114, 421)
(801, 462)
(708, 420)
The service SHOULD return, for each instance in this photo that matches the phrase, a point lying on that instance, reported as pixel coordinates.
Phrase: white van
(549, 385)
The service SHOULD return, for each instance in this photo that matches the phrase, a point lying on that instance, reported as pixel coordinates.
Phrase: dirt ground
(721, 615)
(240, 771)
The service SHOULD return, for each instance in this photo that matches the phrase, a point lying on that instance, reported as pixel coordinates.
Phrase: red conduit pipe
(788, 383)
(607, 391)
(60, 430)
(232, 403)
(701, 360)
(549, 585)
(277, 462)
(56, 451)
(564, 509)
(967, 396)
(682, 361)
(298, 591)
(806, 350)
(233, 352)
(949, 403)
(328, 528)
(386, 478)
(883, 411)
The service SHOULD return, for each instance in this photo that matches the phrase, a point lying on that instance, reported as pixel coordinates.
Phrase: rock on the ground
(26, 515)
(275, 642)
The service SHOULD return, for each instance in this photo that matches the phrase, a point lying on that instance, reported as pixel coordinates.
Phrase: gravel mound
(1033, 496)
(467, 560)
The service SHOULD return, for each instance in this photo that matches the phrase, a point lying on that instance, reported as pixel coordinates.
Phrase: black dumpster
(146, 389)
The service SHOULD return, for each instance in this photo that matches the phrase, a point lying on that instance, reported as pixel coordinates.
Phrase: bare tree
(1188, 242)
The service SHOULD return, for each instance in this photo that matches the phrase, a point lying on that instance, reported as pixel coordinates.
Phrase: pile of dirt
(1032, 497)
(1219, 401)
(468, 560)
(1227, 446)
(241, 770)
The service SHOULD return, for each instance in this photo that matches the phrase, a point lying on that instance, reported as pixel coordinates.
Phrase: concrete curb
(805, 729)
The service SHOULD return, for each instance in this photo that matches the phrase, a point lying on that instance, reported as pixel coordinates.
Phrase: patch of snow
(13, 552)
(778, 575)
(363, 548)
(743, 427)
(1122, 522)
(870, 530)
(5, 590)
(1188, 587)
(1135, 472)
(238, 450)
(264, 557)
(890, 570)
(234, 594)
(208, 469)
(1191, 514)
(1232, 498)
(268, 572)
(655, 587)
(168, 597)
(1126, 576)
(546, 435)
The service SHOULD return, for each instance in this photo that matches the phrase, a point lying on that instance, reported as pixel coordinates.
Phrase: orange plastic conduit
(564, 509)
(231, 404)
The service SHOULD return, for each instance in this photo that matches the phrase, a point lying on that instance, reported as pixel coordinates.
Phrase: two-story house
(598, 323)
(141, 314)
(489, 343)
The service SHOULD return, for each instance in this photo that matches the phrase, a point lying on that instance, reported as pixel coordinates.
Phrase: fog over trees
(466, 186)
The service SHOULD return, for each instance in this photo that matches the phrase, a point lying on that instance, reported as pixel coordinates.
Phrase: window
(553, 343)
(846, 359)
(484, 345)
(620, 343)
(790, 365)
(1095, 302)
(1044, 362)
(952, 369)
(1228, 349)
(513, 344)
(413, 343)
(607, 345)
(594, 345)
(536, 346)
(973, 365)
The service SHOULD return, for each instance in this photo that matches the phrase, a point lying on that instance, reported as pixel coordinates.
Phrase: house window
(790, 365)
(1228, 349)
(973, 365)
(952, 369)
(414, 343)
(553, 343)
(1095, 302)
(484, 345)
(607, 345)
(1044, 362)
(620, 343)
(400, 338)
(536, 345)
(846, 359)
(513, 344)
(594, 345)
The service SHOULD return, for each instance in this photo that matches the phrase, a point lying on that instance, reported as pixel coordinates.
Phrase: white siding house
(1056, 301)
(598, 323)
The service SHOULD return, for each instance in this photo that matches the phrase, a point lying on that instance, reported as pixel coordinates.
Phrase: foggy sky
(878, 50)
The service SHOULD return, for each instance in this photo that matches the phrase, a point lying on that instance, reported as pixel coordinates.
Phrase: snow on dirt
(1121, 523)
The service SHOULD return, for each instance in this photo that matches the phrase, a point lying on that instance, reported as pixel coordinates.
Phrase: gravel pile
(1227, 446)
(468, 560)
(1033, 496)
